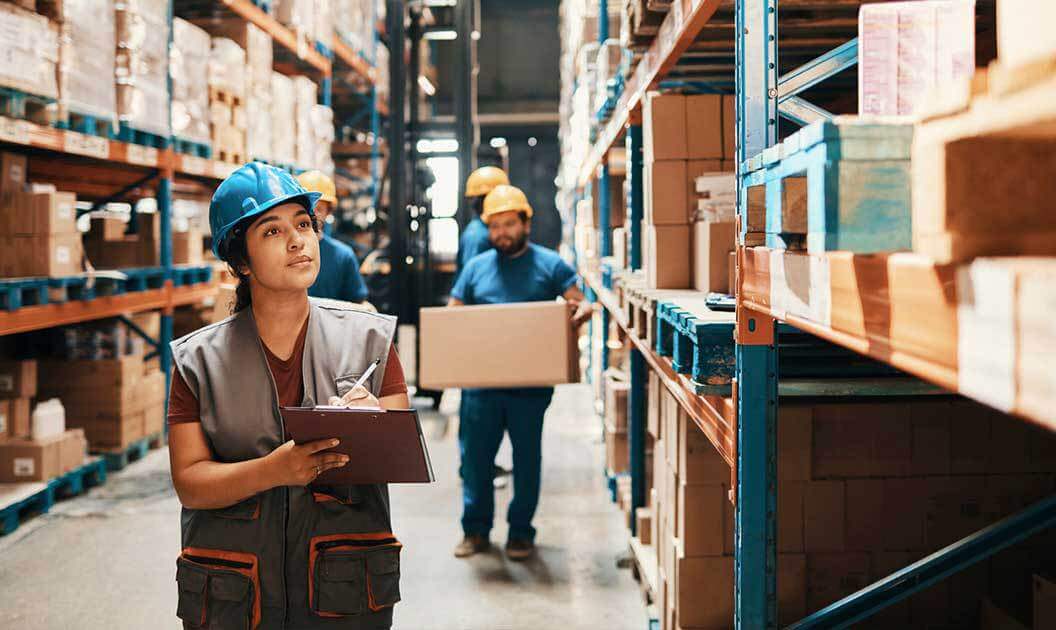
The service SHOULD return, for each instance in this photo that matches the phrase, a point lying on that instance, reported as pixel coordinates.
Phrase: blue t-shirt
(474, 240)
(339, 277)
(537, 275)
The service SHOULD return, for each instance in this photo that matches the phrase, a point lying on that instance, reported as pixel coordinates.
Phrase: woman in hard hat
(474, 239)
(264, 547)
(339, 277)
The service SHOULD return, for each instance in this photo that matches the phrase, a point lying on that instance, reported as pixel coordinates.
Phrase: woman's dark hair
(235, 253)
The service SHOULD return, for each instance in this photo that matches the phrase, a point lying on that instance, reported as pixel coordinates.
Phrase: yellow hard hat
(505, 199)
(484, 179)
(316, 181)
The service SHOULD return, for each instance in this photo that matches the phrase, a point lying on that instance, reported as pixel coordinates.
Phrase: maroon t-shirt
(289, 382)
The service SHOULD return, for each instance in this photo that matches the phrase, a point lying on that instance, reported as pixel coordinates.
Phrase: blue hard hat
(251, 191)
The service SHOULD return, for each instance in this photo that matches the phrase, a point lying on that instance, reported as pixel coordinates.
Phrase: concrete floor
(106, 559)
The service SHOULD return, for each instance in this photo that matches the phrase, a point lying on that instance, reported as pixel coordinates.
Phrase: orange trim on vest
(253, 573)
(313, 554)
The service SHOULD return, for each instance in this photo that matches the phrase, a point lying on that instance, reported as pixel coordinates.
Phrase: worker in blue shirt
(339, 277)
(474, 239)
(514, 271)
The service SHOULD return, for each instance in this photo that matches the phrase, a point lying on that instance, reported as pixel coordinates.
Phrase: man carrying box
(514, 271)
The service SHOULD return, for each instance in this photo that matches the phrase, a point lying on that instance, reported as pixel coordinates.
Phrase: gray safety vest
(290, 557)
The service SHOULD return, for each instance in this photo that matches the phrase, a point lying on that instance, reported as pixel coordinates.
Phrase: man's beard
(514, 247)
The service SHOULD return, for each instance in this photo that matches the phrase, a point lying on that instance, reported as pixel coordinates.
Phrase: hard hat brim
(308, 199)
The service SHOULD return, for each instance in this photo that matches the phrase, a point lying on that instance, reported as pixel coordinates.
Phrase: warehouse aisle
(106, 559)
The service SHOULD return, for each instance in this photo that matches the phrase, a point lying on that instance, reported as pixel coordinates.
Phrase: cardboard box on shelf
(187, 248)
(665, 198)
(148, 321)
(664, 122)
(23, 460)
(5, 420)
(41, 213)
(617, 450)
(616, 391)
(670, 253)
(824, 514)
(51, 255)
(18, 379)
(13, 169)
(704, 591)
(652, 422)
(643, 518)
(107, 229)
(73, 450)
(702, 512)
(712, 244)
(831, 576)
(698, 460)
(19, 417)
(704, 127)
(729, 131)
(531, 344)
(112, 432)
(57, 377)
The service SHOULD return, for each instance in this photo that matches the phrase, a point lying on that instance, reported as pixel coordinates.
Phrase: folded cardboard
(668, 265)
(712, 244)
(528, 344)
(18, 379)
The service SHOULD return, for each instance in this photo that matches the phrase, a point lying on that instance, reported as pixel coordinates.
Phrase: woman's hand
(355, 397)
(294, 465)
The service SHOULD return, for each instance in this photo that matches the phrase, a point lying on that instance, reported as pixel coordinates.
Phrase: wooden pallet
(699, 342)
(840, 185)
(191, 274)
(230, 157)
(119, 458)
(24, 106)
(191, 147)
(133, 135)
(979, 161)
(20, 501)
(88, 124)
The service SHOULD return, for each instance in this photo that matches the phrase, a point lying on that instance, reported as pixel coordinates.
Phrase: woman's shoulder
(207, 332)
(349, 310)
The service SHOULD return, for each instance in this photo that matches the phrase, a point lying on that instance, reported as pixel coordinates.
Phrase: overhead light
(426, 85)
(442, 35)
(497, 142)
(440, 3)
(440, 145)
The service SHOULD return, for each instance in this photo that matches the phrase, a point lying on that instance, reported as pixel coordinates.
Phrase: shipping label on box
(528, 344)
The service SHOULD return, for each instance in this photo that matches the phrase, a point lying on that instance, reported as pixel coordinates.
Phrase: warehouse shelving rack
(743, 429)
(105, 170)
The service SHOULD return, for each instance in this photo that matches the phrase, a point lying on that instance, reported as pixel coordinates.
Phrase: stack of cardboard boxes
(617, 454)
(109, 247)
(23, 459)
(115, 401)
(227, 97)
(864, 489)
(38, 225)
(685, 137)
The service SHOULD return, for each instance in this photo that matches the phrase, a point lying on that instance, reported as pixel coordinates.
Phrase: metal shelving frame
(762, 96)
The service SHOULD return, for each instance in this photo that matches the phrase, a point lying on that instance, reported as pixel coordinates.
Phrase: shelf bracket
(802, 112)
(817, 70)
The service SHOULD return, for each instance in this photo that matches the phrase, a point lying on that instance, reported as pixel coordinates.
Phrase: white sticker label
(62, 254)
(83, 144)
(14, 131)
(25, 467)
(192, 165)
(7, 382)
(143, 156)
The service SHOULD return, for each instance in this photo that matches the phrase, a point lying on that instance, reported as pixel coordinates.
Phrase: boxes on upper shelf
(694, 127)
(668, 250)
(30, 50)
(907, 49)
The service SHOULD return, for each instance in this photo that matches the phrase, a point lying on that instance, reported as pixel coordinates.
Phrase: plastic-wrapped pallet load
(298, 15)
(255, 43)
(227, 67)
(142, 65)
(284, 129)
(258, 129)
(188, 62)
(610, 55)
(324, 21)
(86, 59)
(322, 121)
(29, 52)
(907, 49)
(306, 94)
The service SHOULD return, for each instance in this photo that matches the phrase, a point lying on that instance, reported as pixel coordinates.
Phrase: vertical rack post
(375, 114)
(756, 350)
(635, 194)
(164, 199)
(397, 161)
(636, 402)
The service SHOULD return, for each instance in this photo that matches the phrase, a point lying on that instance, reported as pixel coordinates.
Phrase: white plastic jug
(49, 420)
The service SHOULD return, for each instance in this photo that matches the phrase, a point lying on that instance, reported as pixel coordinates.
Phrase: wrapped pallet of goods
(142, 66)
(299, 17)
(283, 138)
(86, 62)
(322, 121)
(323, 15)
(189, 61)
(306, 95)
(29, 47)
(227, 93)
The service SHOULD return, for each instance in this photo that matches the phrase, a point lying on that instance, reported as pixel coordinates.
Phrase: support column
(636, 416)
(635, 195)
(398, 222)
(164, 199)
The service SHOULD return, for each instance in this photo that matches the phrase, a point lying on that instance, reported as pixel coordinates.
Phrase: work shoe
(470, 545)
(520, 549)
(502, 477)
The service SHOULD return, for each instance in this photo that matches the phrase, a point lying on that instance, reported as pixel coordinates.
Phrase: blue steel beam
(938, 566)
(803, 112)
(636, 401)
(635, 195)
(604, 213)
(817, 70)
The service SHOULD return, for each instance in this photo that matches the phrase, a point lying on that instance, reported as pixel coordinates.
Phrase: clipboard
(383, 446)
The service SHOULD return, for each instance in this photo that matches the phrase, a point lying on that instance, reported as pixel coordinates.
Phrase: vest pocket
(351, 573)
(218, 589)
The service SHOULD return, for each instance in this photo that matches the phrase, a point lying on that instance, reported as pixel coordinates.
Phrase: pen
(370, 370)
